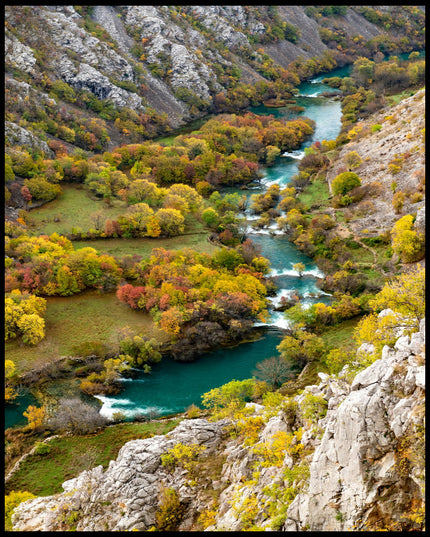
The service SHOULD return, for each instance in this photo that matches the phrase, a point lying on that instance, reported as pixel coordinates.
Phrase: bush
(12, 500)
(170, 512)
(345, 182)
(76, 416)
(42, 449)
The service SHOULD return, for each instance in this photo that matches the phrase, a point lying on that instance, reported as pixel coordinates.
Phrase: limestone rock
(125, 495)
(18, 55)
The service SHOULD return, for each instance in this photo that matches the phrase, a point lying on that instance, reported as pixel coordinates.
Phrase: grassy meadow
(74, 208)
(85, 317)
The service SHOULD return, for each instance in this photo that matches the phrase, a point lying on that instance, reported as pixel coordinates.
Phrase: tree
(405, 294)
(76, 416)
(300, 349)
(363, 71)
(170, 221)
(234, 391)
(352, 160)
(274, 370)
(23, 316)
(398, 201)
(299, 267)
(9, 373)
(36, 418)
(407, 242)
(344, 182)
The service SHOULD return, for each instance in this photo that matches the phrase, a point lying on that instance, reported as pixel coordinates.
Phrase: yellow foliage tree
(407, 242)
(35, 416)
(405, 294)
(9, 370)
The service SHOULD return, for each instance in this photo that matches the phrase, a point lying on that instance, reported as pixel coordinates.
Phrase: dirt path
(344, 233)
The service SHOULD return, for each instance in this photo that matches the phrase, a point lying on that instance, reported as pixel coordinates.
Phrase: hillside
(344, 455)
(396, 136)
(164, 65)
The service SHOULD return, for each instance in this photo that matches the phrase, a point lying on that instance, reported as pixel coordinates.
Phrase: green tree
(235, 391)
(344, 182)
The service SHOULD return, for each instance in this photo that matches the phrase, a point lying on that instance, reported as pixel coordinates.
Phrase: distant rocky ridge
(366, 459)
(173, 40)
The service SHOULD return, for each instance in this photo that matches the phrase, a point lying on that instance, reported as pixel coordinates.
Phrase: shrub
(170, 512)
(345, 182)
(313, 407)
(41, 448)
(12, 500)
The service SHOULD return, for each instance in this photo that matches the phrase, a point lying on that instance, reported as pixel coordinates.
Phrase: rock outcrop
(359, 461)
(359, 473)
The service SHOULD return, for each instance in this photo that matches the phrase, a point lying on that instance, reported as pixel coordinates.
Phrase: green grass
(119, 247)
(340, 335)
(88, 316)
(74, 208)
(395, 99)
(43, 475)
(315, 194)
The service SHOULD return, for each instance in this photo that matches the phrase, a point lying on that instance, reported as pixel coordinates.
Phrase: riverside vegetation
(204, 294)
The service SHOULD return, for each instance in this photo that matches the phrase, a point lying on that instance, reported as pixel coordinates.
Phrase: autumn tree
(398, 201)
(352, 160)
(36, 418)
(274, 370)
(24, 317)
(406, 241)
(9, 375)
(299, 268)
(405, 294)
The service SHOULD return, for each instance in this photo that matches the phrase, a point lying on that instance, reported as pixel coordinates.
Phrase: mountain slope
(169, 64)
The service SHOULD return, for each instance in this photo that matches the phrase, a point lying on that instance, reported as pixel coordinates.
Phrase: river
(173, 386)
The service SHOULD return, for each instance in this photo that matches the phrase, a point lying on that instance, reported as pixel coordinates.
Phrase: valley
(179, 250)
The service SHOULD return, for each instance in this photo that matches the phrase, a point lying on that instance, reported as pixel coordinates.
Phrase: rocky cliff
(346, 454)
(175, 60)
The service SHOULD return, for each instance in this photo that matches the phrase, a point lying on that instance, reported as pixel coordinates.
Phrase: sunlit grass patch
(74, 209)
